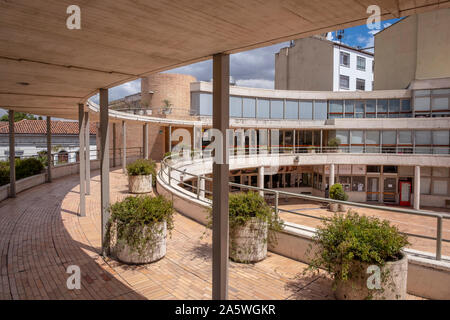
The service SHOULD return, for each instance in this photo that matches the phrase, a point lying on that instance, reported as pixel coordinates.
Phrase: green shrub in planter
(250, 219)
(136, 221)
(348, 244)
(337, 192)
(141, 167)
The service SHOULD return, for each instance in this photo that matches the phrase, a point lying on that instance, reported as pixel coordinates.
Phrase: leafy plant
(337, 192)
(334, 142)
(24, 168)
(131, 215)
(244, 206)
(346, 241)
(141, 167)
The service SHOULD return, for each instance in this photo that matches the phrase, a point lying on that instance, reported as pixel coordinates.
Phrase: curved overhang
(47, 69)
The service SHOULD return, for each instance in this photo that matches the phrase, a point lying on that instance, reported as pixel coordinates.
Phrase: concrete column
(202, 187)
(417, 187)
(331, 174)
(293, 141)
(82, 154)
(220, 119)
(145, 140)
(104, 162)
(124, 146)
(321, 140)
(49, 149)
(170, 138)
(87, 136)
(12, 156)
(114, 145)
(261, 180)
(197, 130)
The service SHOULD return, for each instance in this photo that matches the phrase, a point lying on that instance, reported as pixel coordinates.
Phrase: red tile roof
(40, 127)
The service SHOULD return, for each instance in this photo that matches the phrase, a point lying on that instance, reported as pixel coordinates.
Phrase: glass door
(373, 189)
(389, 190)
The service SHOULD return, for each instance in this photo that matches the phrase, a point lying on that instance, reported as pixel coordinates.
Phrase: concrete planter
(140, 184)
(393, 283)
(334, 207)
(148, 252)
(248, 243)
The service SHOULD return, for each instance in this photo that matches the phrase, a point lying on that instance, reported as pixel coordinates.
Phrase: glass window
(345, 59)
(360, 84)
(382, 105)
(441, 138)
(349, 106)
(263, 109)
(359, 183)
(291, 109)
(373, 169)
(425, 185)
(389, 137)
(394, 105)
(342, 135)
(361, 63)
(359, 106)
(406, 105)
(405, 137)
(276, 109)
(423, 137)
(439, 103)
(249, 107)
(373, 137)
(320, 109)
(235, 107)
(336, 106)
(206, 104)
(390, 169)
(422, 103)
(306, 112)
(425, 171)
(357, 137)
(344, 82)
(440, 186)
(371, 106)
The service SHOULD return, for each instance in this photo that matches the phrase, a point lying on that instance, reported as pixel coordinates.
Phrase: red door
(405, 193)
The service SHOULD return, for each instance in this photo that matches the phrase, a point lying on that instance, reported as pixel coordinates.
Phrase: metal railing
(167, 176)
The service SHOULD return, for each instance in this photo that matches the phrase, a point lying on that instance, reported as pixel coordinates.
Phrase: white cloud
(256, 83)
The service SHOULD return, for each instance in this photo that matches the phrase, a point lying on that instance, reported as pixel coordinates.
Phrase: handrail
(165, 174)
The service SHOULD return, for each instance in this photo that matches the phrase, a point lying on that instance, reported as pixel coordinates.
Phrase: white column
(261, 180)
(202, 187)
(49, 149)
(331, 175)
(82, 154)
(145, 140)
(124, 146)
(417, 187)
(12, 156)
(87, 137)
(104, 163)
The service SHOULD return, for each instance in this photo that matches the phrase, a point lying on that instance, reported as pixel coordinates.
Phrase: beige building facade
(415, 48)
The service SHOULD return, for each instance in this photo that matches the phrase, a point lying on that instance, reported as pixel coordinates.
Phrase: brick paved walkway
(41, 235)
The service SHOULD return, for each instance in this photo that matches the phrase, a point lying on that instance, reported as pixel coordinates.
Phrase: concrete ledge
(427, 277)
